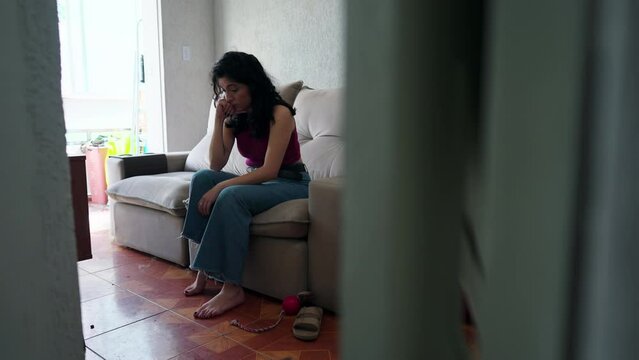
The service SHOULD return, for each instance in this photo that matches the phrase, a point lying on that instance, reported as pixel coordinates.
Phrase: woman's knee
(229, 194)
(238, 195)
(200, 175)
(207, 177)
(202, 181)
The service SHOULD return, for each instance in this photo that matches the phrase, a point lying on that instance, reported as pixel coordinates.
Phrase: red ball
(291, 305)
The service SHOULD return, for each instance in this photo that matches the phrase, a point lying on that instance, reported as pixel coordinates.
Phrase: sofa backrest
(319, 129)
(319, 122)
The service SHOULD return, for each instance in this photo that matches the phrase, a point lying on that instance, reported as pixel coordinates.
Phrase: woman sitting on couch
(221, 205)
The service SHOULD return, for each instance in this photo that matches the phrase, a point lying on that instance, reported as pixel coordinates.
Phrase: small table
(80, 202)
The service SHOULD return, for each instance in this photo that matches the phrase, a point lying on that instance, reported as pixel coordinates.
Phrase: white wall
(293, 39)
(187, 88)
(40, 302)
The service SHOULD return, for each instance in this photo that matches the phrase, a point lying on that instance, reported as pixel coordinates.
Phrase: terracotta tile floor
(133, 308)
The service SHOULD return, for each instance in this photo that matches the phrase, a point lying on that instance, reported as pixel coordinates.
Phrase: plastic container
(96, 158)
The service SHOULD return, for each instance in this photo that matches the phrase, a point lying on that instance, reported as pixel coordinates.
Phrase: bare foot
(230, 297)
(198, 285)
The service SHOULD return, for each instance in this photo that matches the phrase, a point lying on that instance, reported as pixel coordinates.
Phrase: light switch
(186, 53)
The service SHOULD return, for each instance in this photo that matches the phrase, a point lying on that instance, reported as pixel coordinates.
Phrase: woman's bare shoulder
(281, 112)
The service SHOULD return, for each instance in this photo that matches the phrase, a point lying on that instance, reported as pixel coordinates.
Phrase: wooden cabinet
(80, 202)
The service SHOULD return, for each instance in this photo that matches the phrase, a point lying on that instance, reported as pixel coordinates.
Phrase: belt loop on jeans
(297, 167)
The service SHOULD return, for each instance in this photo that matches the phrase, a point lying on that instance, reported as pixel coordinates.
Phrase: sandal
(307, 323)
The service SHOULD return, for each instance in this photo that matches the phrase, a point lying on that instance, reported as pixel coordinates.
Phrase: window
(99, 52)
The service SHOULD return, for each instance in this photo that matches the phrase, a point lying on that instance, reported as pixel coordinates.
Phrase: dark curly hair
(246, 69)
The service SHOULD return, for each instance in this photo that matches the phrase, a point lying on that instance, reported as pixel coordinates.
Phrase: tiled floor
(133, 308)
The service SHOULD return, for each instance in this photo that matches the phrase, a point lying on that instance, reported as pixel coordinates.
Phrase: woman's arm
(279, 137)
(223, 137)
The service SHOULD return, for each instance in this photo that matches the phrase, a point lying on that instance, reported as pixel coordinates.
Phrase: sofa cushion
(165, 192)
(319, 129)
(286, 220)
(289, 92)
(199, 157)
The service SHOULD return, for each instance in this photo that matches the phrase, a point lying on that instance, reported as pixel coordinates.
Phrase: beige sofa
(294, 245)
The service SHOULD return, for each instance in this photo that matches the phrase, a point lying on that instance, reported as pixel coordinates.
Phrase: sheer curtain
(98, 51)
(606, 319)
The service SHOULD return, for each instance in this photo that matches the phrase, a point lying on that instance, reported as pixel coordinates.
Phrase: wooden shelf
(80, 205)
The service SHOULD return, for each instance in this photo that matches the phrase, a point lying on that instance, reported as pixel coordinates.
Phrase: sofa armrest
(324, 240)
(176, 160)
(124, 166)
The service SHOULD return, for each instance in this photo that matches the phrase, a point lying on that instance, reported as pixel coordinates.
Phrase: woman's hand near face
(223, 138)
(223, 110)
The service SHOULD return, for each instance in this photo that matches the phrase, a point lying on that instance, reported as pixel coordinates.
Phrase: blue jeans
(224, 234)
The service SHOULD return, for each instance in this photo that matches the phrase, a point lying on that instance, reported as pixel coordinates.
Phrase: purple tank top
(254, 150)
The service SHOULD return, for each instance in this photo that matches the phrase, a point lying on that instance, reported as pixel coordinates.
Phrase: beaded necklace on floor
(290, 306)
